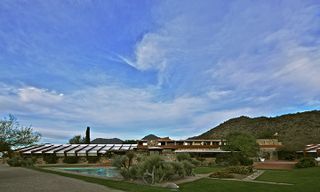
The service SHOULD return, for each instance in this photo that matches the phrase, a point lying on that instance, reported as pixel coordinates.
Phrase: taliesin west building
(201, 147)
(151, 144)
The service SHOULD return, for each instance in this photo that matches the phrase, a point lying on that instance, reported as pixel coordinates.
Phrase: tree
(87, 138)
(130, 141)
(77, 140)
(244, 143)
(13, 135)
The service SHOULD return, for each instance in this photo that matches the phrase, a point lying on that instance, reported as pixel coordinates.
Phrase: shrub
(120, 161)
(19, 161)
(183, 156)
(178, 168)
(133, 172)
(226, 159)
(155, 170)
(202, 161)
(233, 159)
(50, 159)
(28, 162)
(71, 160)
(243, 170)
(245, 161)
(306, 162)
(221, 174)
(287, 155)
(195, 162)
(186, 157)
(188, 167)
(212, 163)
(14, 162)
(92, 159)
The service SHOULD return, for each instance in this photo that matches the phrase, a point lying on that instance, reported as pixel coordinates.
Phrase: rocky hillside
(293, 130)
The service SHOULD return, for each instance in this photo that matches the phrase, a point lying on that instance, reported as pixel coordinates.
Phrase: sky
(171, 68)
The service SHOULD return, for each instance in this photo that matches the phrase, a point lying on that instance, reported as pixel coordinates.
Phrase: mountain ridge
(294, 130)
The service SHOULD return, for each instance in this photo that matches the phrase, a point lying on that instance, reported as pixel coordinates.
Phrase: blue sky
(172, 68)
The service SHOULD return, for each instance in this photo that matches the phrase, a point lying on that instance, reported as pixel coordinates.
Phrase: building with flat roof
(205, 147)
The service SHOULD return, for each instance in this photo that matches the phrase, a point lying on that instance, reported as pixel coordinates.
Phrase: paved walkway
(15, 179)
(253, 176)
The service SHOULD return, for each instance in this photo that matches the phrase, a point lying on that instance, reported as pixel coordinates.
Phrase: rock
(172, 186)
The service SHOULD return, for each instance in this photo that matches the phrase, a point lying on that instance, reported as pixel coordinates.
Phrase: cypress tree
(87, 140)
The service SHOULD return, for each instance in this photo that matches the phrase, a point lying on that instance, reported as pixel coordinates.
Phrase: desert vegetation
(154, 169)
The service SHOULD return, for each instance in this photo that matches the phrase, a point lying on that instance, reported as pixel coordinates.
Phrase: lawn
(205, 170)
(304, 180)
(207, 185)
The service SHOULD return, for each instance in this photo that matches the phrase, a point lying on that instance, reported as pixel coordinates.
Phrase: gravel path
(14, 179)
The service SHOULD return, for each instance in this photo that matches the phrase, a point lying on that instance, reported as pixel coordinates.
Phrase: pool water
(95, 171)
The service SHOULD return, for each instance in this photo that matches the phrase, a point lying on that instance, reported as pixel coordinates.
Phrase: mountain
(151, 137)
(106, 141)
(293, 130)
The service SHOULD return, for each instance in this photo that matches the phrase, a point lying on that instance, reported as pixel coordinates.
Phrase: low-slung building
(270, 147)
(75, 149)
(312, 150)
(196, 146)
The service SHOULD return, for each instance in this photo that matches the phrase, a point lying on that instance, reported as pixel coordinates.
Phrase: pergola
(75, 149)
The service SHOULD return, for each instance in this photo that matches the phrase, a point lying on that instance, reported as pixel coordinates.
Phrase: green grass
(207, 185)
(121, 185)
(205, 170)
(304, 180)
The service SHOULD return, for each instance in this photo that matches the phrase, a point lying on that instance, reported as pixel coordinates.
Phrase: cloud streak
(165, 67)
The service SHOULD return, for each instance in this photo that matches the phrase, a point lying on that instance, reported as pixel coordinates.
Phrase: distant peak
(150, 137)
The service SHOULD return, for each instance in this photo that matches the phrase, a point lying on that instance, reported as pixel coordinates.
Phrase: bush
(212, 163)
(71, 160)
(245, 161)
(155, 170)
(120, 161)
(306, 162)
(287, 155)
(50, 159)
(186, 157)
(178, 168)
(233, 159)
(195, 162)
(188, 167)
(92, 159)
(202, 161)
(226, 159)
(183, 156)
(28, 162)
(242, 170)
(20, 162)
(221, 174)
(14, 162)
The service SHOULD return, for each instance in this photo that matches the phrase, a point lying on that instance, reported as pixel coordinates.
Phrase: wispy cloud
(165, 67)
